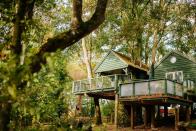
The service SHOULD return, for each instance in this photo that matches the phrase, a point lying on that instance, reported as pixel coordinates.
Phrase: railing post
(116, 82)
(119, 90)
(102, 84)
(80, 88)
(133, 88)
(165, 86)
(174, 88)
(182, 90)
(96, 83)
(149, 88)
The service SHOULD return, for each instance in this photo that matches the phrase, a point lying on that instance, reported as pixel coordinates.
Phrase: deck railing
(151, 87)
(100, 83)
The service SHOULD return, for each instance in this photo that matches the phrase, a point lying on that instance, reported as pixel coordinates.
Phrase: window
(177, 75)
(190, 84)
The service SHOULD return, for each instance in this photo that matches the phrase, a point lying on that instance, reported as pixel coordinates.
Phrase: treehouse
(121, 79)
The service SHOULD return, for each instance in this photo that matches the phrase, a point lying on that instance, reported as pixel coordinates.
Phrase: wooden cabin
(178, 67)
(121, 79)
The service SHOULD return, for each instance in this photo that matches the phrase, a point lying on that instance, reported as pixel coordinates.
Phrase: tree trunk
(146, 48)
(97, 111)
(87, 59)
(154, 48)
(5, 110)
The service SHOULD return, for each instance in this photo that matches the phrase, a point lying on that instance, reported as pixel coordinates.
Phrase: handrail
(149, 80)
(102, 82)
(102, 76)
(150, 87)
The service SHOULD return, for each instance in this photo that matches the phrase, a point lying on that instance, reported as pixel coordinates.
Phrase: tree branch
(71, 36)
(77, 14)
(18, 26)
(24, 10)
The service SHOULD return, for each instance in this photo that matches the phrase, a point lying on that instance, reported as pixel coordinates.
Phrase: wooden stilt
(97, 111)
(79, 105)
(145, 117)
(153, 117)
(132, 116)
(176, 118)
(158, 111)
(165, 111)
(116, 111)
(188, 113)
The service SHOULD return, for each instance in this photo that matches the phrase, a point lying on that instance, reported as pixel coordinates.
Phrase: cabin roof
(126, 60)
(178, 53)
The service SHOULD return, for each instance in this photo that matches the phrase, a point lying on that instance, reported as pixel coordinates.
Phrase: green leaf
(12, 91)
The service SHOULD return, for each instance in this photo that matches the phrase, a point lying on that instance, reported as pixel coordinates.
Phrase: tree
(32, 64)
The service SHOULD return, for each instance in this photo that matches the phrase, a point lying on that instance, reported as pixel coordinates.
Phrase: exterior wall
(111, 62)
(182, 64)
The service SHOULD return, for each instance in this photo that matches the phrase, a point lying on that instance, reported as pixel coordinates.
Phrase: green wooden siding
(182, 64)
(110, 62)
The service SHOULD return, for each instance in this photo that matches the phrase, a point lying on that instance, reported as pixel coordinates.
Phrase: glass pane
(179, 76)
(170, 87)
(157, 87)
(141, 88)
(126, 90)
(169, 76)
(179, 91)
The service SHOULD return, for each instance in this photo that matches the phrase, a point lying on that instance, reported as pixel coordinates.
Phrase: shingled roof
(126, 61)
(190, 58)
(134, 63)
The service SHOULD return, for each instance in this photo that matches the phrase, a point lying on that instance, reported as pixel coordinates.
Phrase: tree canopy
(40, 47)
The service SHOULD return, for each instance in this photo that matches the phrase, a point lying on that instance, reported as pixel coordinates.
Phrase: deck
(103, 87)
(142, 91)
(154, 92)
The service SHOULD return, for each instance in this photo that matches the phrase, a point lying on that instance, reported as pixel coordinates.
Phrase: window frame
(174, 73)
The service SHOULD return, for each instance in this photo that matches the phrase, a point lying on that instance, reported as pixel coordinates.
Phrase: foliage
(123, 119)
(107, 108)
(46, 99)
(133, 27)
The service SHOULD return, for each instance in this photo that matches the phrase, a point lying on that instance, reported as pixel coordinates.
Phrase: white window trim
(173, 75)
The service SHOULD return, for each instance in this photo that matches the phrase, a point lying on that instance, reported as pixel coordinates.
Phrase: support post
(97, 111)
(176, 118)
(79, 105)
(116, 110)
(158, 111)
(145, 117)
(188, 113)
(153, 117)
(132, 116)
(165, 111)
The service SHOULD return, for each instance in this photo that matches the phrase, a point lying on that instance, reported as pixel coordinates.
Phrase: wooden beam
(116, 111)
(176, 118)
(165, 111)
(188, 113)
(132, 116)
(145, 117)
(79, 105)
(158, 111)
(152, 116)
(97, 111)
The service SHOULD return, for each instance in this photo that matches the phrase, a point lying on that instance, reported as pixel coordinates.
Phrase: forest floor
(112, 128)
(168, 126)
